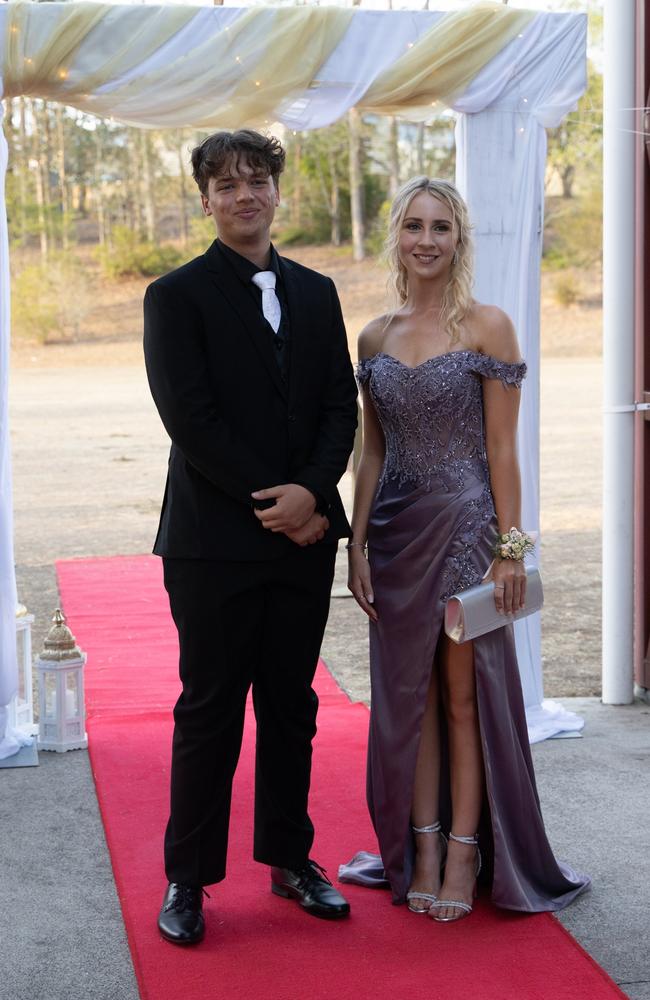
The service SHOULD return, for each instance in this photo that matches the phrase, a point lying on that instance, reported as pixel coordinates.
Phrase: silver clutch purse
(473, 612)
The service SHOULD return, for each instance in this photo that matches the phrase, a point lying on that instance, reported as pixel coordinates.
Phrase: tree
(356, 185)
(575, 147)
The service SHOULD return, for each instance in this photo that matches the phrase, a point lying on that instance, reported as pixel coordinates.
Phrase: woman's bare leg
(426, 794)
(466, 771)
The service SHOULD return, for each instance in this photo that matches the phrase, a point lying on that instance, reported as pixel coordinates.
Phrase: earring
(454, 259)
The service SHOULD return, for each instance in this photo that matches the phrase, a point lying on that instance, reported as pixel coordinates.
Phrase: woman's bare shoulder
(494, 333)
(371, 338)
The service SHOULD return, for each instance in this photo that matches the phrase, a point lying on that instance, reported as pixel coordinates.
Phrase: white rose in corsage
(514, 544)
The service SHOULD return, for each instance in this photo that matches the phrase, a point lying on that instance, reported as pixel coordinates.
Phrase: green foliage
(554, 260)
(23, 218)
(566, 290)
(50, 302)
(575, 147)
(201, 235)
(121, 183)
(33, 308)
(129, 256)
(295, 236)
(375, 193)
(378, 230)
(315, 187)
(574, 232)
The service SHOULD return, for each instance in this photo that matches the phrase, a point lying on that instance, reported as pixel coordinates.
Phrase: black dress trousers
(241, 624)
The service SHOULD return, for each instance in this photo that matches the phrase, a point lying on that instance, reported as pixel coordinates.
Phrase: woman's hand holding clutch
(359, 579)
(509, 578)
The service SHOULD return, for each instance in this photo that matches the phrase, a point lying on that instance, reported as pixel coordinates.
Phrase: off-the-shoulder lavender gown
(431, 531)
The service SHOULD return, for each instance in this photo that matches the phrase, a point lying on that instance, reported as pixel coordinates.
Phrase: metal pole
(618, 351)
(642, 430)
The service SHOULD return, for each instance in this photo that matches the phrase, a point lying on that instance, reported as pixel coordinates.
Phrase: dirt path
(90, 455)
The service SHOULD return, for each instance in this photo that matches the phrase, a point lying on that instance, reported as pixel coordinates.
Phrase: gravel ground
(90, 455)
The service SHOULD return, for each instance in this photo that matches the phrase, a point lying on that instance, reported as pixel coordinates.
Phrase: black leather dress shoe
(181, 916)
(313, 890)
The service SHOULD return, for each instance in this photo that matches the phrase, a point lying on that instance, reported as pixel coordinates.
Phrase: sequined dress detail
(430, 534)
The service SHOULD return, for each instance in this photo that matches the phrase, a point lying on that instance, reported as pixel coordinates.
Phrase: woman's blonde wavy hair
(457, 297)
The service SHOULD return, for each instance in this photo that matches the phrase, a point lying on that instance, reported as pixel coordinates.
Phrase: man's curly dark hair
(261, 151)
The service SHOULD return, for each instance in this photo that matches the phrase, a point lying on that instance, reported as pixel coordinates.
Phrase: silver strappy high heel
(465, 908)
(428, 897)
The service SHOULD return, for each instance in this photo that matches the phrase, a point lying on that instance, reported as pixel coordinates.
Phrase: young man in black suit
(248, 365)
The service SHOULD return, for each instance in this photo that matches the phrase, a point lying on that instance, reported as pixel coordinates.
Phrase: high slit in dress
(431, 532)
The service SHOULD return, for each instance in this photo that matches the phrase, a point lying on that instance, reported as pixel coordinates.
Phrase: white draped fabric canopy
(510, 75)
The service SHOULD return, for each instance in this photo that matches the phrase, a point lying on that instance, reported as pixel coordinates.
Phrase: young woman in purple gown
(438, 478)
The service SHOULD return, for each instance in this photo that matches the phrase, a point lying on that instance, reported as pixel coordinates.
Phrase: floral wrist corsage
(513, 545)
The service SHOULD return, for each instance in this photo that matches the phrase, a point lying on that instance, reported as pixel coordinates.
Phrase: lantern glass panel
(20, 655)
(71, 696)
(50, 694)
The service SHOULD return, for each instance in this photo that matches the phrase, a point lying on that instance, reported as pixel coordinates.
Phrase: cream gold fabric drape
(445, 61)
(242, 73)
(243, 68)
(44, 55)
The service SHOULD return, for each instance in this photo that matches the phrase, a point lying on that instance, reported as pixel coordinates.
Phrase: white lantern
(20, 711)
(60, 667)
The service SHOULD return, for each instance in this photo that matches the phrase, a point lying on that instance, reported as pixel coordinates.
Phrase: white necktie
(270, 302)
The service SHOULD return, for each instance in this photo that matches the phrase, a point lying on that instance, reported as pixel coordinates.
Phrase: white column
(618, 352)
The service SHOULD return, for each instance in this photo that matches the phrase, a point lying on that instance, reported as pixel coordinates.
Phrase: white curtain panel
(501, 149)
(9, 744)
(501, 157)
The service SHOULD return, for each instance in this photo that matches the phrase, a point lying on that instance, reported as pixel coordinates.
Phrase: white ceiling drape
(524, 77)
(220, 66)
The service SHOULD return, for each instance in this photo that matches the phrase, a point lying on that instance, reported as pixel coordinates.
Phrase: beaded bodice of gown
(432, 419)
(432, 415)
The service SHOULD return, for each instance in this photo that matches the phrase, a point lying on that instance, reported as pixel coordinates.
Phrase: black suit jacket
(235, 425)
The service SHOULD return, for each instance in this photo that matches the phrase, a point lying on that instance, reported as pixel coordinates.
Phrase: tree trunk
(36, 162)
(356, 184)
(296, 200)
(102, 221)
(147, 188)
(568, 176)
(419, 148)
(134, 175)
(185, 229)
(41, 158)
(10, 134)
(46, 159)
(393, 157)
(63, 186)
(40, 204)
(335, 202)
(82, 193)
(23, 170)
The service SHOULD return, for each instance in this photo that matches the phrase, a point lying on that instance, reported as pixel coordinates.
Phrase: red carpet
(257, 945)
